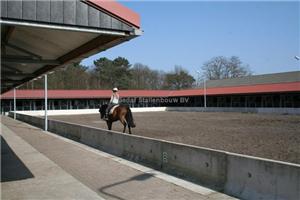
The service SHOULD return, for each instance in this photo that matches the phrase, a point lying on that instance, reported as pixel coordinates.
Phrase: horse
(122, 113)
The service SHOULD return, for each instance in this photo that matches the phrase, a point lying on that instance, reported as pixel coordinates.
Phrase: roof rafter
(28, 60)
(24, 51)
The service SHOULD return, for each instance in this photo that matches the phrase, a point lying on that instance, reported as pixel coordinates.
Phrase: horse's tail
(129, 118)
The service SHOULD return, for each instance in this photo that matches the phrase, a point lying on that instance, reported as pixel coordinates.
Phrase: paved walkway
(92, 173)
(28, 174)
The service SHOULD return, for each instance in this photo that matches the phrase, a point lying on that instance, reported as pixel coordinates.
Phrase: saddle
(112, 109)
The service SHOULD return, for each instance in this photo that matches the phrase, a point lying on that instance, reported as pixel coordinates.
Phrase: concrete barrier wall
(59, 112)
(35, 121)
(291, 111)
(237, 175)
(257, 178)
(84, 111)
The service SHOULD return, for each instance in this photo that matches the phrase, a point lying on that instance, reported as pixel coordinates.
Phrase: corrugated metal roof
(284, 77)
(117, 10)
(246, 89)
(82, 94)
(39, 36)
(94, 94)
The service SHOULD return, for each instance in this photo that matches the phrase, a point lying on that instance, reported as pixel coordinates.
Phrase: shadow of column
(140, 177)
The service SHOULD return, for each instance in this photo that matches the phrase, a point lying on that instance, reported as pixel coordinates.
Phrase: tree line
(107, 73)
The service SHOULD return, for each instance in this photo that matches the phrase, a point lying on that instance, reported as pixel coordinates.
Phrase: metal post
(15, 107)
(204, 92)
(198, 77)
(46, 103)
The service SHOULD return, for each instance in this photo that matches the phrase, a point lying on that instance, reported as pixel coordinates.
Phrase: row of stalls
(290, 100)
(281, 90)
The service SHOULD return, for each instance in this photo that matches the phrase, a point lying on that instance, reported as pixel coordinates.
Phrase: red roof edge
(69, 94)
(116, 9)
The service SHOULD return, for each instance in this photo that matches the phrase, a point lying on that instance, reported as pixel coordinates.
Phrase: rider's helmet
(115, 89)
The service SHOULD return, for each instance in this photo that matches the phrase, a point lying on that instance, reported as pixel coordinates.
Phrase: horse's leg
(123, 121)
(129, 128)
(124, 129)
(109, 125)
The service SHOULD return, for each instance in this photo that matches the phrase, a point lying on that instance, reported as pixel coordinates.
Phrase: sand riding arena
(269, 136)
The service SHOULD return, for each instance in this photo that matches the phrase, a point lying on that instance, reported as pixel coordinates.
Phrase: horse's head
(102, 110)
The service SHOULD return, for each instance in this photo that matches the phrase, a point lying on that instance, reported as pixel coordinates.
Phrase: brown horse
(122, 113)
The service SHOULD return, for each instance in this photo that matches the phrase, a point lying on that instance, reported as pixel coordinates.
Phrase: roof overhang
(31, 48)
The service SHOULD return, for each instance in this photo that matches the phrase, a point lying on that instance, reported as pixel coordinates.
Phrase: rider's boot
(105, 116)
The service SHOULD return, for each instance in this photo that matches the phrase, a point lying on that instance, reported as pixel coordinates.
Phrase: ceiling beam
(5, 38)
(6, 74)
(27, 60)
(7, 68)
(23, 51)
(8, 80)
(8, 34)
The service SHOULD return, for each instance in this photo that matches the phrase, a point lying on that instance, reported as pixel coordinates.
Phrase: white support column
(15, 106)
(204, 92)
(46, 103)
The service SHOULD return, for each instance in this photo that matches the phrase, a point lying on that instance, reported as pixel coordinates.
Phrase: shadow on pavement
(140, 177)
(12, 168)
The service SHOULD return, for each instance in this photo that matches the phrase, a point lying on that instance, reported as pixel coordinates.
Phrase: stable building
(280, 90)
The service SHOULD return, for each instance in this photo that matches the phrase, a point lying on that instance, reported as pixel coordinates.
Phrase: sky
(264, 35)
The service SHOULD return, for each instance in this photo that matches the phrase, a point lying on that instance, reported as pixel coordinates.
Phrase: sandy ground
(268, 136)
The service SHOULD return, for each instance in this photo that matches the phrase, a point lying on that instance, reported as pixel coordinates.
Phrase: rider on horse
(121, 112)
(114, 100)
